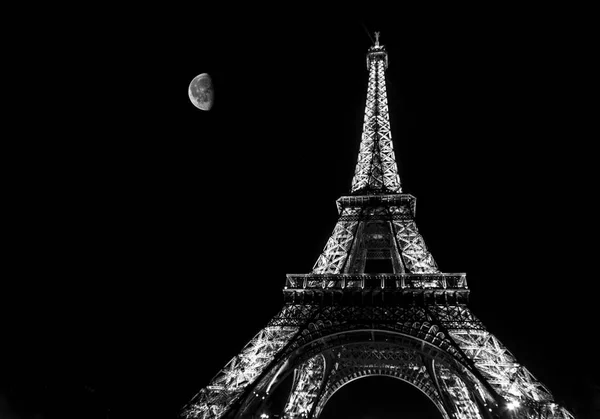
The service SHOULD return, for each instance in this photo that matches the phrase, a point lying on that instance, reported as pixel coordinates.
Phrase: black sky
(156, 237)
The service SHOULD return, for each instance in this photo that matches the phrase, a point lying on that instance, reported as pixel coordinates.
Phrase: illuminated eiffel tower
(376, 303)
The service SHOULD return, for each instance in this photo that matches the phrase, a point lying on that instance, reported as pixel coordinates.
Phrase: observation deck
(380, 200)
(376, 289)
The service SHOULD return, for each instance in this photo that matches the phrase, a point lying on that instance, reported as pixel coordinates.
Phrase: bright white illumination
(513, 405)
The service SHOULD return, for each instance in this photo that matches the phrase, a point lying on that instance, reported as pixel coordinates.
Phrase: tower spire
(376, 170)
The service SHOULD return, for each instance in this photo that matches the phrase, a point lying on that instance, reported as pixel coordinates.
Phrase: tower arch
(389, 374)
(416, 358)
(389, 397)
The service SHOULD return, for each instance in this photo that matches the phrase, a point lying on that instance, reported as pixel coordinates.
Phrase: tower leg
(232, 383)
(308, 382)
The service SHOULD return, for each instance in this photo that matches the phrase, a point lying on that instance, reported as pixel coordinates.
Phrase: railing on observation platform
(383, 281)
(376, 289)
(400, 200)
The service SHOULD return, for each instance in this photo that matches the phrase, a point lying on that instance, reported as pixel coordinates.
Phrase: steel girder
(401, 227)
(354, 361)
(415, 255)
(308, 378)
(229, 384)
(336, 250)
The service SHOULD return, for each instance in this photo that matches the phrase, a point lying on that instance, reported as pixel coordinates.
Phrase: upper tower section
(376, 170)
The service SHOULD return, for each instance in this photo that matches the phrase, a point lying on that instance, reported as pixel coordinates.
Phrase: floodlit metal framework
(376, 303)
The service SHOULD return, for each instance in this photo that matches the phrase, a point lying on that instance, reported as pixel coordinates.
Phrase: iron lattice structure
(376, 303)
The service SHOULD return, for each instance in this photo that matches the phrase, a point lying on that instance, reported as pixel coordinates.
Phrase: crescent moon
(201, 94)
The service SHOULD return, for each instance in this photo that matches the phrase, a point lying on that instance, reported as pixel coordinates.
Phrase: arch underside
(458, 354)
(356, 361)
(393, 356)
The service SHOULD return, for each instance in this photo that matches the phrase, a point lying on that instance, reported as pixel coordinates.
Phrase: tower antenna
(367, 31)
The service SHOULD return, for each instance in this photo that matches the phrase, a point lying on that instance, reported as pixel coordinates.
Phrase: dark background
(153, 238)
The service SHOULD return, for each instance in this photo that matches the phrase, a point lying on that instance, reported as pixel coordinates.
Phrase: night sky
(155, 237)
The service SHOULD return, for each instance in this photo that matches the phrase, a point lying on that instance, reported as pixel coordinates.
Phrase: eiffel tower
(376, 304)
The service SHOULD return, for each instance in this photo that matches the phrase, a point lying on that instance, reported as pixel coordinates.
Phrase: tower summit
(375, 303)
